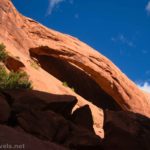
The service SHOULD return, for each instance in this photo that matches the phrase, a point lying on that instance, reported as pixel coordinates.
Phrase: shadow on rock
(24, 100)
(47, 117)
(83, 117)
(126, 131)
(75, 77)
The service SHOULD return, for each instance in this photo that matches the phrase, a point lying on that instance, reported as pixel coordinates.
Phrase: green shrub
(66, 85)
(35, 65)
(13, 80)
(73, 89)
(3, 53)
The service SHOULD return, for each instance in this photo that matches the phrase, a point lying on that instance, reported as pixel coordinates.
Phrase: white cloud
(148, 72)
(52, 5)
(76, 16)
(145, 86)
(144, 51)
(121, 38)
(71, 1)
(148, 7)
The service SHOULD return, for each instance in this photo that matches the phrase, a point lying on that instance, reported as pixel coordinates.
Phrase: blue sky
(119, 29)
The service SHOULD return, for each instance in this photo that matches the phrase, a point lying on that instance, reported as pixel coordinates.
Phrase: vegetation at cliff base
(3, 53)
(34, 63)
(13, 80)
(66, 85)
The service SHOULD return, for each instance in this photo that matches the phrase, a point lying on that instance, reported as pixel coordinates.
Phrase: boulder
(83, 117)
(37, 100)
(12, 139)
(126, 131)
(4, 109)
(52, 127)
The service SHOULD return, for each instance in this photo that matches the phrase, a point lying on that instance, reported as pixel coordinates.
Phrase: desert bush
(3, 53)
(34, 63)
(13, 80)
(66, 85)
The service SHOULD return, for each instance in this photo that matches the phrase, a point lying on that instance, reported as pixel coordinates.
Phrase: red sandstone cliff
(98, 83)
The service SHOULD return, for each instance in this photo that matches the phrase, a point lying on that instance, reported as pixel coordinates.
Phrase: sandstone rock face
(14, 64)
(26, 36)
(73, 86)
(18, 43)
